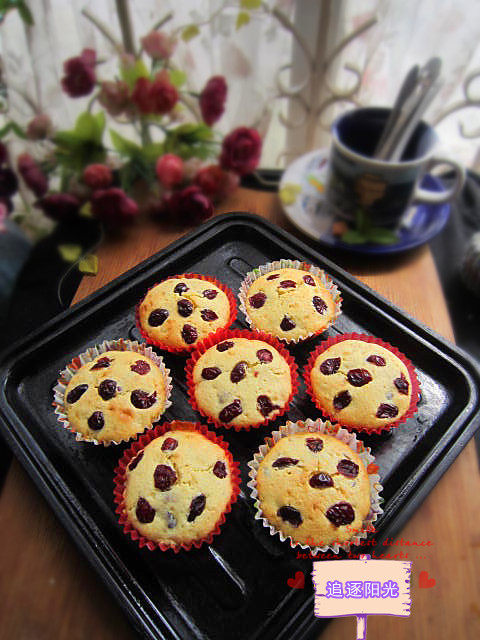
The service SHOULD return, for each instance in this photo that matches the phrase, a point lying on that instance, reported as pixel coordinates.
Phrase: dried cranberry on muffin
(241, 382)
(313, 488)
(177, 488)
(360, 384)
(290, 304)
(179, 312)
(115, 396)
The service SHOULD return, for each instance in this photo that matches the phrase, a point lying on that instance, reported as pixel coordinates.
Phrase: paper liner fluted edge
(415, 394)
(287, 263)
(349, 438)
(89, 355)
(188, 348)
(120, 478)
(227, 334)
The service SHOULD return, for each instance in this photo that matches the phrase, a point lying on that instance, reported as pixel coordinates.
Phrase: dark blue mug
(381, 189)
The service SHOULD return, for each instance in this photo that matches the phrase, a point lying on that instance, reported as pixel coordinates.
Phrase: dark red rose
(187, 207)
(59, 206)
(241, 150)
(3, 153)
(169, 170)
(141, 95)
(215, 182)
(33, 176)
(97, 176)
(113, 206)
(8, 183)
(212, 99)
(79, 79)
(115, 97)
(163, 94)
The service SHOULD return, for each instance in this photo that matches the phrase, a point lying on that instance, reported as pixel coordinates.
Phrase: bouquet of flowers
(171, 164)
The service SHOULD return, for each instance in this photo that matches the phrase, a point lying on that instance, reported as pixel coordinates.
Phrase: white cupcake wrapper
(318, 426)
(290, 264)
(88, 356)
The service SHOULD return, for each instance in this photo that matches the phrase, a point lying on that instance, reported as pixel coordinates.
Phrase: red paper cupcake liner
(188, 348)
(120, 478)
(371, 339)
(226, 334)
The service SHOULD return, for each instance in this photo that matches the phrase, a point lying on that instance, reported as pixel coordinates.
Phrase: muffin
(362, 382)
(242, 380)
(289, 303)
(181, 311)
(175, 488)
(314, 489)
(115, 396)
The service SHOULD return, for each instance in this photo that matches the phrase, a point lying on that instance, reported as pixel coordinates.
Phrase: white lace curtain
(265, 60)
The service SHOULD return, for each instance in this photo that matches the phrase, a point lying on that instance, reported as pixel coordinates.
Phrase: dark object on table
(231, 588)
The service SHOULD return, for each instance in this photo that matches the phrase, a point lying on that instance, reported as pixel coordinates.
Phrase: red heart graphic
(298, 582)
(424, 582)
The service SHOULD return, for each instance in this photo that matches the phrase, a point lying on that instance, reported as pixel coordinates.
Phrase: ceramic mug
(384, 190)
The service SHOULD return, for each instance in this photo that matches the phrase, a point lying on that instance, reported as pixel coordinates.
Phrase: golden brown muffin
(115, 396)
(180, 312)
(241, 382)
(361, 384)
(314, 488)
(177, 487)
(289, 304)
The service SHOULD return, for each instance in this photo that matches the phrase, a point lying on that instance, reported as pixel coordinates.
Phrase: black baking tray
(237, 587)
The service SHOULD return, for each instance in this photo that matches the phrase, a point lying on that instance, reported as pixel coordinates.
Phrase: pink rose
(241, 151)
(215, 182)
(3, 217)
(39, 128)
(59, 206)
(32, 175)
(115, 97)
(97, 176)
(169, 170)
(212, 99)
(158, 45)
(79, 79)
(113, 206)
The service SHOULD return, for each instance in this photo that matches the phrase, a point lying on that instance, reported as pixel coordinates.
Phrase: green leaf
(177, 77)
(12, 126)
(24, 12)
(89, 265)
(191, 141)
(190, 32)
(152, 151)
(130, 74)
(362, 221)
(353, 237)
(251, 4)
(90, 127)
(242, 19)
(123, 146)
(382, 236)
(70, 252)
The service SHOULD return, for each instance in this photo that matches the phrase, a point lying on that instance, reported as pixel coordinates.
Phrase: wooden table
(49, 592)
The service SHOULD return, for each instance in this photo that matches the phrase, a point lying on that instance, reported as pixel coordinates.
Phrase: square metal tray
(237, 587)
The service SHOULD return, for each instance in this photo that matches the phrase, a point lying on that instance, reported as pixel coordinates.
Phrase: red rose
(39, 128)
(169, 170)
(114, 96)
(187, 207)
(158, 45)
(141, 95)
(241, 150)
(79, 78)
(163, 94)
(215, 182)
(8, 183)
(212, 99)
(3, 153)
(33, 176)
(3, 217)
(97, 176)
(113, 206)
(59, 206)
